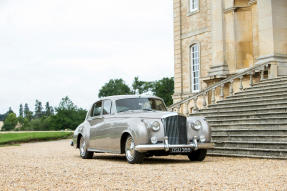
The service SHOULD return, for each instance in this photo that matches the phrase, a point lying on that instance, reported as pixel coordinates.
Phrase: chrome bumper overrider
(165, 146)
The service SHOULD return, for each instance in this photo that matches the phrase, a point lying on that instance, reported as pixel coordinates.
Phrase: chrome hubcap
(130, 149)
(82, 146)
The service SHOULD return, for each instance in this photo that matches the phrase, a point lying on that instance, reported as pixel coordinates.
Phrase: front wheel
(84, 153)
(198, 155)
(132, 155)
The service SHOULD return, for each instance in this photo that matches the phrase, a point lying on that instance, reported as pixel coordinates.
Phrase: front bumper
(165, 146)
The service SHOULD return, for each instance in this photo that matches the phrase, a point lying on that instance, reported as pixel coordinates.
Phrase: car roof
(117, 97)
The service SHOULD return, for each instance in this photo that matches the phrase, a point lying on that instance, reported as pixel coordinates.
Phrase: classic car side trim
(102, 151)
(165, 146)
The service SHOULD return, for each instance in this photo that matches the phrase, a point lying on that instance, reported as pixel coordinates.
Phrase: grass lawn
(23, 137)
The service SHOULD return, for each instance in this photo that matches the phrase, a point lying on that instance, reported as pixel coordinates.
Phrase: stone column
(178, 86)
(272, 29)
(218, 68)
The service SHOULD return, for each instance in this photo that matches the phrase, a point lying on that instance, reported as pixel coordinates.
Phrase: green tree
(21, 112)
(10, 122)
(48, 109)
(27, 113)
(164, 88)
(38, 109)
(140, 87)
(68, 116)
(114, 87)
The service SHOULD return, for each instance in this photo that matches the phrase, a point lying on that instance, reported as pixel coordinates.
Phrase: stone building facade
(214, 39)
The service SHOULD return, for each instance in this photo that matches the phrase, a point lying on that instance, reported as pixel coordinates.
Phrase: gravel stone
(57, 166)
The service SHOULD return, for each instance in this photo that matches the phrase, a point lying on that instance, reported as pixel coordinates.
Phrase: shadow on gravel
(151, 160)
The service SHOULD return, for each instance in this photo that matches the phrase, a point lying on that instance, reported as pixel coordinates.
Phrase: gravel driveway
(57, 166)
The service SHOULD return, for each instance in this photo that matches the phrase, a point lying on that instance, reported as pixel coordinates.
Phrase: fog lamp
(153, 140)
(197, 125)
(202, 138)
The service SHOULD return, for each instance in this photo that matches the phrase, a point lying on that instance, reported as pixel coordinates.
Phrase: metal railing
(258, 68)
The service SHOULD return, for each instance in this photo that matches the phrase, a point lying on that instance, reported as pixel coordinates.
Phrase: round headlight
(155, 126)
(197, 125)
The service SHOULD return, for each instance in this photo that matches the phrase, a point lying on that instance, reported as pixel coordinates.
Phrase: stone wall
(233, 35)
(1, 125)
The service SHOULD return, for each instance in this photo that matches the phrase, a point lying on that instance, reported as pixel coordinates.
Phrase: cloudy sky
(56, 48)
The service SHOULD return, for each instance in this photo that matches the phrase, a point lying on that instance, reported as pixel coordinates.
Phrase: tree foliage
(27, 113)
(21, 112)
(48, 109)
(140, 87)
(114, 87)
(164, 89)
(38, 109)
(67, 116)
(10, 122)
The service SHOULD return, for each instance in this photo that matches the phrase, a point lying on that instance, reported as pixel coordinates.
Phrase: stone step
(252, 144)
(274, 81)
(262, 89)
(249, 132)
(269, 84)
(254, 94)
(250, 106)
(251, 123)
(248, 125)
(239, 112)
(255, 97)
(246, 102)
(263, 128)
(249, 137)
(243, 155)
(243, 116)
(248, 120)
(256, 121)
(247, 152)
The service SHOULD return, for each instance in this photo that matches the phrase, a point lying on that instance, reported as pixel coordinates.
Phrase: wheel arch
(78, 140)
(123, 140)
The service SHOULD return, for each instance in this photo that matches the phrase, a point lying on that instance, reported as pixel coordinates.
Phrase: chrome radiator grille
(175, 129)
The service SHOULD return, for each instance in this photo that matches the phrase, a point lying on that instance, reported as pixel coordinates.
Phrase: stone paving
(57, 166)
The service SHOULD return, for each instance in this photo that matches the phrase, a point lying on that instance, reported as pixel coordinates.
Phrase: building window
(195, 67)
(193, 5)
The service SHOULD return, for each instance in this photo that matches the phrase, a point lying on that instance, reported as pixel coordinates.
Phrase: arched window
(193, 5)
(195, 67)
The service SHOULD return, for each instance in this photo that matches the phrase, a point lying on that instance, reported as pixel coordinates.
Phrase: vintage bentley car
(140, 126)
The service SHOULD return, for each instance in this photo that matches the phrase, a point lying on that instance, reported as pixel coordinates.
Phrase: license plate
(180, 150)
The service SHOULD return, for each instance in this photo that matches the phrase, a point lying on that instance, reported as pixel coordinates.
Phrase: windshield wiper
(125, 111)
(147, 109)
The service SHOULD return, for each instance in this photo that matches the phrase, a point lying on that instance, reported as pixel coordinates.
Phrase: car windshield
(148, 104)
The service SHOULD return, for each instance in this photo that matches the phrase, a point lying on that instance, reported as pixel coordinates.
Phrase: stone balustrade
(259, 68)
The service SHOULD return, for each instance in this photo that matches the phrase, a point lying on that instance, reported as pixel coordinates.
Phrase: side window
(107, 107)
(97, 109)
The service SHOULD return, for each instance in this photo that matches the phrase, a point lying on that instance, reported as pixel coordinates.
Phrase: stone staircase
(251, 123)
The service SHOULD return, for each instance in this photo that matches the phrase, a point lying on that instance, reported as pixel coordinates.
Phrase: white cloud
(50, 49)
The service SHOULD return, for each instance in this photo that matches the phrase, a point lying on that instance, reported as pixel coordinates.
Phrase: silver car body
(107, 133)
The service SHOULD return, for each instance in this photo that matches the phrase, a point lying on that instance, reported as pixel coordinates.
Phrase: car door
(114, 128)
(103, 134)
(95, 120)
